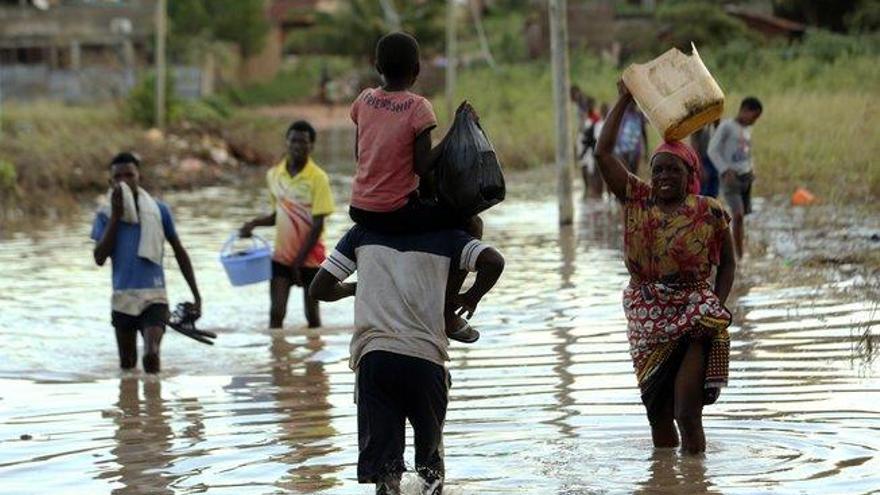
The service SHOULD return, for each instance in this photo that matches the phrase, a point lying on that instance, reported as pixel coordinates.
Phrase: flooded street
(545, 403)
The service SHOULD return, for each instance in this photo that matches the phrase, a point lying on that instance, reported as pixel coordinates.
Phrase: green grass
(54, 147)
(819, 129)
(52, 154)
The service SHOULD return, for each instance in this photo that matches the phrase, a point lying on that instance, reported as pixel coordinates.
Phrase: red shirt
(387, 126)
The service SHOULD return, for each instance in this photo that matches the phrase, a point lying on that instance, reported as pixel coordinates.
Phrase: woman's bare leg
(663, 428)
(688, 408)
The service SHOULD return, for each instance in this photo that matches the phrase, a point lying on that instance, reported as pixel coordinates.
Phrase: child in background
(393, 150)
(731, 152)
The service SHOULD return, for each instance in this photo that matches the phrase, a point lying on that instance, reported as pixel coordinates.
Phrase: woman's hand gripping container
(676, 92)
(248, 266)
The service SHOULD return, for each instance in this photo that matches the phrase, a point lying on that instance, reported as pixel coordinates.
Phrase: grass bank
(819, 129)
(51, 155)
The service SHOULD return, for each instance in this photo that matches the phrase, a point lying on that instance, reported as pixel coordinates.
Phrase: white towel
(152, 242)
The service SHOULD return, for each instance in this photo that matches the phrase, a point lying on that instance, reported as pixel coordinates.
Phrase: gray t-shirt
(401, 288)
(731, 147)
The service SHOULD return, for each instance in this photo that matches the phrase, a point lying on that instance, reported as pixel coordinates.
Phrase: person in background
(700, 143)
(590, 122)
(132, 233)
(731, 152)
(301, 200)
(632, 139)
(399, 347)
(580, 104)
(676, 318)
(596, 182)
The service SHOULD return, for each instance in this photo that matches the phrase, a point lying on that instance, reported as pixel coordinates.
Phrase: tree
(865, 18)
(355, 27)
(241, 22)
(702, 23)
(829, 14)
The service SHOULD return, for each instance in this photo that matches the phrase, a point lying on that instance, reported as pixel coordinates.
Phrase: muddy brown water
(544, 403)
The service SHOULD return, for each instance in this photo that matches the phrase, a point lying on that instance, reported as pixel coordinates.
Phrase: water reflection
(669, 473)
(143, 440)
(568, 253)
(545, 403)
(302, 389)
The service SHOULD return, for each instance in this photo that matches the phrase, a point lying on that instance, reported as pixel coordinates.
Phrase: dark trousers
(393, 388)
(416, 217)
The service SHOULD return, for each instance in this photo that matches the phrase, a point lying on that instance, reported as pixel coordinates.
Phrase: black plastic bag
(467, 174)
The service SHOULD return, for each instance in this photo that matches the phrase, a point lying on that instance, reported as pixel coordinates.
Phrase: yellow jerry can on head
(676, 92)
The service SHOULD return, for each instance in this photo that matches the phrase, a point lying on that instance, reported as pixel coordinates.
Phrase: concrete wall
(86, 23)
(76, 51)
(89, 84)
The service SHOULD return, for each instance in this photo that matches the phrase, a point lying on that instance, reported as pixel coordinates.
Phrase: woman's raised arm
(613, 170)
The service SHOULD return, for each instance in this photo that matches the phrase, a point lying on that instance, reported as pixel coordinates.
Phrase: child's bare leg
(126, 343)
(279, 291)
(456, 279)
(152, 342)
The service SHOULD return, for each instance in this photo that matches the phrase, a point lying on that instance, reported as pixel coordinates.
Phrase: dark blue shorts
(154, 315)
(416, 217)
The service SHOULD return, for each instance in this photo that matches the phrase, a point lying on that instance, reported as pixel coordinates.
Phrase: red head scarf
(688, 156)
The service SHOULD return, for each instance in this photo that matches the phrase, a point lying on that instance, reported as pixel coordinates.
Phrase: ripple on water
(545, 402)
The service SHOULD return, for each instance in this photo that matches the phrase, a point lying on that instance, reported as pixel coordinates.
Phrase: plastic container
(676, 92)
(248, 266)
(802, 197)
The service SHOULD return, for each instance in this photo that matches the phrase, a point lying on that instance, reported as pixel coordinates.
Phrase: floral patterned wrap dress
(669, 299)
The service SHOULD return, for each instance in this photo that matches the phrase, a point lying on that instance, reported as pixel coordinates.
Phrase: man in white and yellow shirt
(300, 197)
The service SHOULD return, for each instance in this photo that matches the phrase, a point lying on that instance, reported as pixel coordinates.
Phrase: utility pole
(559, 49)
(392, 18)
(481, 33)
(450, 59)
(161, 28)
(1, 104)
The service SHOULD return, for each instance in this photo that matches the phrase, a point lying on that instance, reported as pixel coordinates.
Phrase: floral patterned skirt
(660, 316)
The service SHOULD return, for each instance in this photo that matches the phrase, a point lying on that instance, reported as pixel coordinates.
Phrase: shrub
(700, 22)
(140, 105)
(865, 18)
(207, 110)
(8, 176)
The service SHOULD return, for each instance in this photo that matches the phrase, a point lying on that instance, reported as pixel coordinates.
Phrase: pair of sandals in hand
(183, 319)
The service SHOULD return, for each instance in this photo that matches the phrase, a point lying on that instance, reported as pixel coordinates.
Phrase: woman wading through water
(677, 321)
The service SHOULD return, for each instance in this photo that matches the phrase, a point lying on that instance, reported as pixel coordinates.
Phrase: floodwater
(545, 403)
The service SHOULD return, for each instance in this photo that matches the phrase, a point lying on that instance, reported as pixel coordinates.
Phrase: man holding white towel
(132, 232)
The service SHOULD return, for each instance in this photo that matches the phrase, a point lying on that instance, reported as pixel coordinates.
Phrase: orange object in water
(802, 197)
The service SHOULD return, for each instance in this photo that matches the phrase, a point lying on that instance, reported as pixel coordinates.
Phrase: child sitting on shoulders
(393, 150)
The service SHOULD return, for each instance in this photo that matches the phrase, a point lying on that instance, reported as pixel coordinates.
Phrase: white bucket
(676, 92)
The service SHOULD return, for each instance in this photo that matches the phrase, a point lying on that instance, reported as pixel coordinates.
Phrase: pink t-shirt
(387, 126)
